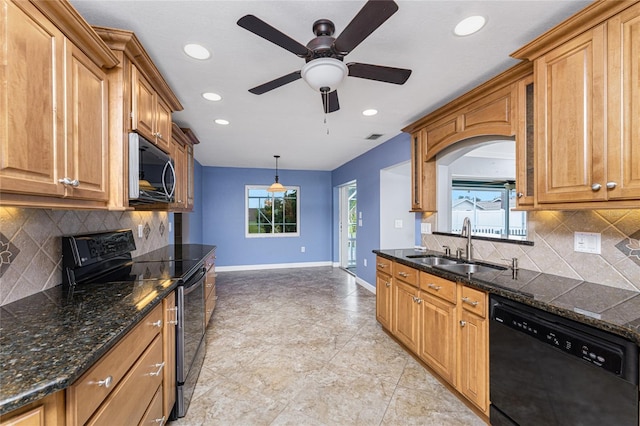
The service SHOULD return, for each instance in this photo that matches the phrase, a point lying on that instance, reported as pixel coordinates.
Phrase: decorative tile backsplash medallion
(8, 252)
(30, 247)
(552, 232)
(631, 247)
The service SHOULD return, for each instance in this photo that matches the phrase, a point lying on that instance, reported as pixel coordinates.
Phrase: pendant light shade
(277, 186)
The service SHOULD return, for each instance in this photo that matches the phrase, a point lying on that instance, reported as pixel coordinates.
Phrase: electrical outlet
(140, 231)
(302, 249)
(365, 262)
(587, 242)
(170, 223)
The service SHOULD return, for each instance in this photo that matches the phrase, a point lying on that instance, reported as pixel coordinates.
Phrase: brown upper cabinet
(182, 154)
(54, 141)
(139, 100)
(587, 137)
(491, 109)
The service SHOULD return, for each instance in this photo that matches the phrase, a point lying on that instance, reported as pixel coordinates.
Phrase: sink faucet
(466, 232)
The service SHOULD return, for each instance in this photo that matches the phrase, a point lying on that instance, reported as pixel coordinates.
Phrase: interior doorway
(348, 226)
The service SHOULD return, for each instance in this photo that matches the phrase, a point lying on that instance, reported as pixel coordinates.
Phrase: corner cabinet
(182, 154)
(586, 74)
(54, 142)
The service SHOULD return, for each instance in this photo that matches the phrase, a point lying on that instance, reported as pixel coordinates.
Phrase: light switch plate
(425, 228)
(587, 242)
(398, 223)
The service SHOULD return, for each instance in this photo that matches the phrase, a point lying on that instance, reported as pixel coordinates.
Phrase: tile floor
(302, 347)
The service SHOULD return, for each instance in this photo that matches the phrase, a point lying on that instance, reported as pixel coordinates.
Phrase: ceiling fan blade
(266, 31)
(373, 14)
(330, 102)
(379, 73)
(274, 84)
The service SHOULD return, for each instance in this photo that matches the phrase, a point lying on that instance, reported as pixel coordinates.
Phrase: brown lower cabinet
(444, 323)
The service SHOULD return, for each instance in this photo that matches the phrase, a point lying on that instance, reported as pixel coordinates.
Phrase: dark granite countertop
(49, 339)
(608, 308)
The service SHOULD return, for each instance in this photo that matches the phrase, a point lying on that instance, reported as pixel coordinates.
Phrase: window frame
(272, 234)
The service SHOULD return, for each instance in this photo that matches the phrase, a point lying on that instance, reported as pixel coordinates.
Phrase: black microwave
(152, 175)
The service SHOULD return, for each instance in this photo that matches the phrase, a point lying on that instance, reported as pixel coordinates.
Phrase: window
(489, 205)
(272, 214)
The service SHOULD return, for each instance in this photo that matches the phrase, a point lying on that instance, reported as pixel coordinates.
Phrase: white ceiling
(289, 121)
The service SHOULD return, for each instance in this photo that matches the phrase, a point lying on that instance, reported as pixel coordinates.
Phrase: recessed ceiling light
(197, 51)
(369, 112)
(469, 25)
(221, 121)
(210, 96)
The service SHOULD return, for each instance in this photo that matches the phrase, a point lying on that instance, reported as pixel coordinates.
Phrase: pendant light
(277, 186)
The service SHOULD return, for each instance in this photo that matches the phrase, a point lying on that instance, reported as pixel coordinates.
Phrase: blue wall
(195, 218)
(223, 217)
(365, 169)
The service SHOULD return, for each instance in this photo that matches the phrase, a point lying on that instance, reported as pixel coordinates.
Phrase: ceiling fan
(324, 69)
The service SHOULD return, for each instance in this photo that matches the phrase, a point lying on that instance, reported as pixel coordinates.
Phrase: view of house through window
(490, 206)
(272, 214)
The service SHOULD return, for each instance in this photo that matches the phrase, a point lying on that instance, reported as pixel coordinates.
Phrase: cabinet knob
(388, 284)
(157, 324)
(106, 382)
(462, 323)
(161, 420)
(68, 181)
(520, 194)
(611, 185)
(596, 187)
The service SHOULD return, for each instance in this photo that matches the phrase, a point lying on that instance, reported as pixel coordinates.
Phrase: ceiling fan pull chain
(326, 107)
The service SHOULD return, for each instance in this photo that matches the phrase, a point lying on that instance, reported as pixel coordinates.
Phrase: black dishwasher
(549, 370)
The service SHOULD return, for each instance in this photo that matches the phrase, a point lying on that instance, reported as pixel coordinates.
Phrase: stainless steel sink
(436, 260)
(469, 268)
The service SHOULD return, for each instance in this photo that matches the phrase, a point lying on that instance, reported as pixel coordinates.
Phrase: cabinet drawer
(406, 274)
(384, 265)
(86, 394)
(439, 287)
(129, 401)
(474, 301)
(210, 305)
(153, 416)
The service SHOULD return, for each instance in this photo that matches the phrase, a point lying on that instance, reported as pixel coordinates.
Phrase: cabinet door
(570, 120)
(189, 178)
(405, 314)
(163, 125)
(143, 105)
(87, 138)
(473, 381)
(438, 333)
(623, 95)
(525, 182)
(383, 300)
(32, 101)
(417, 183)
(179, 155)
(169, 354)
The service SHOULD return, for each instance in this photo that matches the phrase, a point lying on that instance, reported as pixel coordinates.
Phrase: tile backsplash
(30, 247)
(552, 233)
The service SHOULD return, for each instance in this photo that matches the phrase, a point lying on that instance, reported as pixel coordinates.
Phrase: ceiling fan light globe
(324, 72)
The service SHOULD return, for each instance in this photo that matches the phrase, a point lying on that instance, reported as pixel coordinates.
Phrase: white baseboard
(336, 264)
(271, 266)
(366, 285)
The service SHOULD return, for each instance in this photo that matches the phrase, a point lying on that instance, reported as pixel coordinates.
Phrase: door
(348, 226)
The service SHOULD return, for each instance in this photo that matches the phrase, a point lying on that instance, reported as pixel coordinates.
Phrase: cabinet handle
(68, 181)
(381, 265)
(462, 323)
(174, 321)
(106, 382)
(435, 287)
(403, 274)
(160, 420)
(611, 185)
(159, 367)
(469, 301)
(387, 283)
(157, 324)
(596, 187)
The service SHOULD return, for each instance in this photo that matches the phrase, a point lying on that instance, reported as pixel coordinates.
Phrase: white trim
(271, 266)
(366, 285)
(336, 264)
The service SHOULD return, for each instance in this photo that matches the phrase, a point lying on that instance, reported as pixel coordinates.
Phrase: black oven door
(191, 325)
